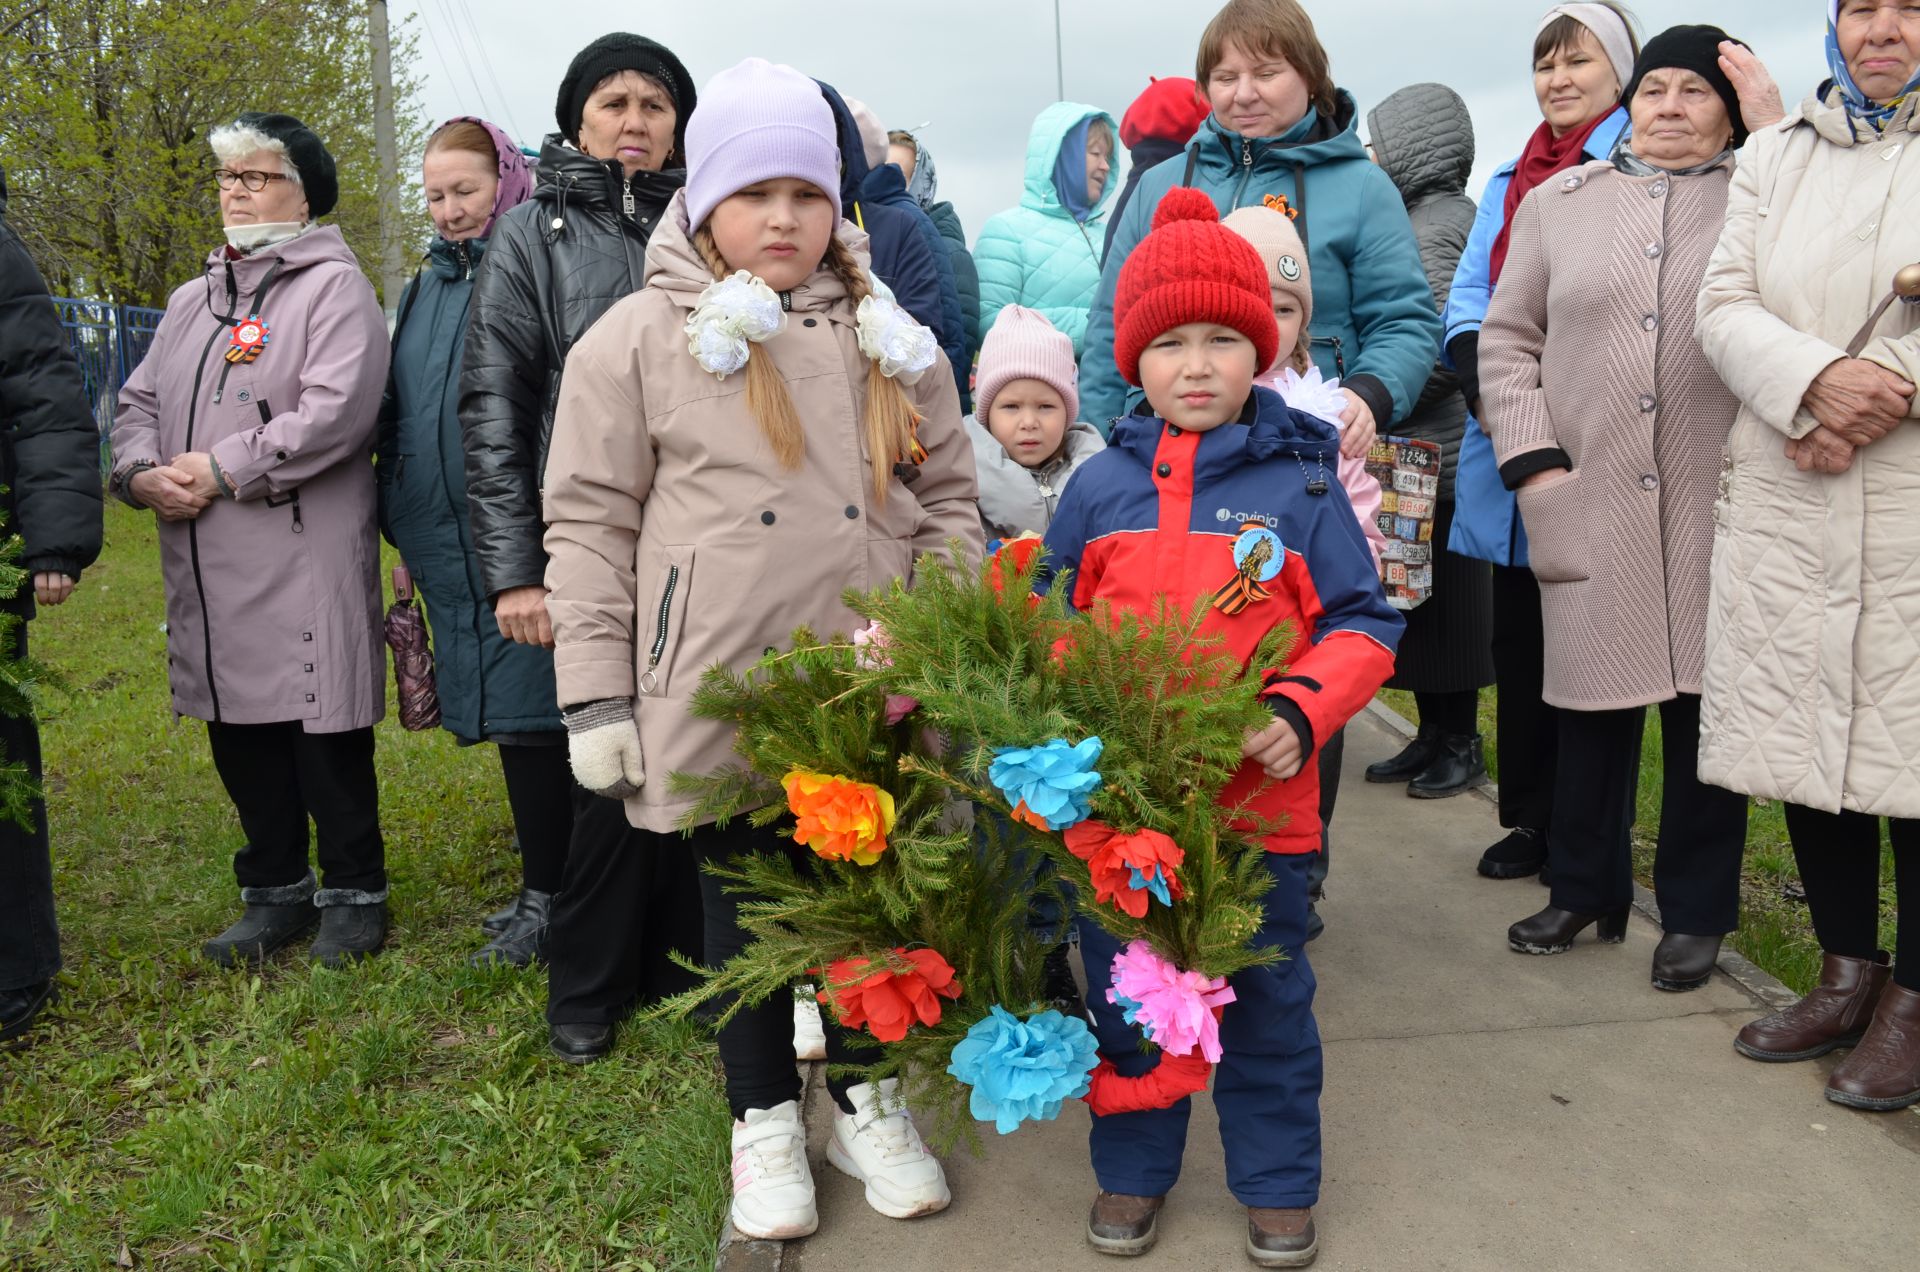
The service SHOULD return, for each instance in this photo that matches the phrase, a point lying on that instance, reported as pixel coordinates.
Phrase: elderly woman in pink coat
(248, 430)
(1609, 421)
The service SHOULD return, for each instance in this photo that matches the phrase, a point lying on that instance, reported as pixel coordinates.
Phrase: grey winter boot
(353, 925)
(273, 917)
(523, 941)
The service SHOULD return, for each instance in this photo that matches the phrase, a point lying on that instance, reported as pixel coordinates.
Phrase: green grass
(404, 1114)
(1774, 928)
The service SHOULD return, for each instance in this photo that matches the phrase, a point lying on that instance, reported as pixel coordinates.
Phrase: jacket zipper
(1339, 357)
(466, 261)
(1246, 171)
(193, 527)
(660, 623)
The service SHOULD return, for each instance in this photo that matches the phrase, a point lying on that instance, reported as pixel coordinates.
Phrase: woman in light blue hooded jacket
(1045, 253)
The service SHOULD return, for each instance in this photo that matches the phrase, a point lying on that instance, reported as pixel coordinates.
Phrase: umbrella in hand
(412, 657)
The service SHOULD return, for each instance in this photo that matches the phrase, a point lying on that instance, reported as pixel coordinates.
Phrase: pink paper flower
(900, 706)
(1174, 1009)
(870, 648)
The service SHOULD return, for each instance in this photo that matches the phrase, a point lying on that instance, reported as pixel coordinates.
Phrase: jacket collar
(1221, 151)
(575, 177)
(1267, 427)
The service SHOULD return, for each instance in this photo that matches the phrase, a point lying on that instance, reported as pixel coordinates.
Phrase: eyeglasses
(252, 180)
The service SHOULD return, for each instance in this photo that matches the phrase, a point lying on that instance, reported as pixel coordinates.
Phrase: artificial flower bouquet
(1099, 742)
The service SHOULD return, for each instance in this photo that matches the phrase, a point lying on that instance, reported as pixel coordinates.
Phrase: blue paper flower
(1022, 1070)
(1155, 884)
(1054, 781)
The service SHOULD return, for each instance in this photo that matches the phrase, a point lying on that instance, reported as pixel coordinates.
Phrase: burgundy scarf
(1545, 155)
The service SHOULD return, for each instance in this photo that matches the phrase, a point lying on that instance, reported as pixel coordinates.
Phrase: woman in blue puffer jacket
(1045, 253)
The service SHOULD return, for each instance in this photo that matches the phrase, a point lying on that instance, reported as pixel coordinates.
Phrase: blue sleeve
(1103, 394)
(952, 328)
(1392, 307)
(996, 258)
(1473, 277)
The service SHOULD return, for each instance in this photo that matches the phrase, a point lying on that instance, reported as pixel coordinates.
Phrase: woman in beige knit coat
(1610, 423)
(1813, 671)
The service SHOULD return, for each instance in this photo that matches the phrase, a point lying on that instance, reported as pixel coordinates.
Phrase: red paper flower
(1125, 867)
(1021, 552)
(886, 1000)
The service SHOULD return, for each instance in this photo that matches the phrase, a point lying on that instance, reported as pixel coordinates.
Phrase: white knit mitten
(603, 745)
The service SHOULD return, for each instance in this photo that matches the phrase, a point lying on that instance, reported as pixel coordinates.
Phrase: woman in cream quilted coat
(1812, 686)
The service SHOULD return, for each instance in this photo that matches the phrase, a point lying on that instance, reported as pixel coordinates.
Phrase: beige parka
(677, 541)
(1812, 686)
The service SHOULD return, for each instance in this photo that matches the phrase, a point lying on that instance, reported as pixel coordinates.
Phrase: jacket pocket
(1556, 522)
(661, 628)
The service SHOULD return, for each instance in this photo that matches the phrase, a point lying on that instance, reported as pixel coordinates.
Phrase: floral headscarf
(1858, 104)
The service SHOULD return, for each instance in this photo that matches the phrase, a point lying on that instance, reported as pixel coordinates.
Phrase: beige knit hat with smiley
(1272, 234)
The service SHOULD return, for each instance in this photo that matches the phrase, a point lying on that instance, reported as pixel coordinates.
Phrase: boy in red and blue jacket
(1223, 492)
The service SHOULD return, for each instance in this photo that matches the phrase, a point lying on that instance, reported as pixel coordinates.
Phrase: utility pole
(386, 153)
(1059, 58)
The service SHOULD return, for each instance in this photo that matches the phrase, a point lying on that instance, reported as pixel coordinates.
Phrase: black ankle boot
(496, 923)
(20, 1008)
(1062, 991)
(1458, 767)
(523, 941)
(1521, 853)
(1552, 930)
(353, 926)
(1412, 761)
(1682, 962)
(272, 918)
(578, 1043)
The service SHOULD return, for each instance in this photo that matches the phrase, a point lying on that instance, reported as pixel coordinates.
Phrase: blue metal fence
(108, 341)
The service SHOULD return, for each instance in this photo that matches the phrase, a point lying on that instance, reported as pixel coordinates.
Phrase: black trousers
(1332, 753)
(278, 776)
(29, 935)
(540, 793)
(627, 898)
(1839, 859)
(1528, 737)
(756, 1046)
(1703, 829)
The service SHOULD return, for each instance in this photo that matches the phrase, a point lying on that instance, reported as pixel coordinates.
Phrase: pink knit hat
(1023, 345)
(755, 122)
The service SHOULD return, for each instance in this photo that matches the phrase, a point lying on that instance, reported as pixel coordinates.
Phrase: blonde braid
(890, 417)
(767, 396)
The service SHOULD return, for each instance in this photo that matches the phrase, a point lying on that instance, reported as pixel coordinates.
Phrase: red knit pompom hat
(1190, 268)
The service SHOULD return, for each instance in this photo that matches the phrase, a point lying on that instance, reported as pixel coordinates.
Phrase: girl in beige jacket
(754, 431)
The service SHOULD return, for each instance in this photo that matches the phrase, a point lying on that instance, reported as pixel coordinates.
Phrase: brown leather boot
(1281, 1238)
(1122, 1224)
(1835, 1014)
(1884, 1070)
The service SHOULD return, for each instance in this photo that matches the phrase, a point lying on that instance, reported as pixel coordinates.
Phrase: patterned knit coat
(1588, 360)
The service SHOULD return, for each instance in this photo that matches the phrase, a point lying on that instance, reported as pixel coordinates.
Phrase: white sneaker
(809, 1033)
(772, 1186)
(880, 1146)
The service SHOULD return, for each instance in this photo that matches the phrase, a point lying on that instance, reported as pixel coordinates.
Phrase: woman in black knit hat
(553, 265)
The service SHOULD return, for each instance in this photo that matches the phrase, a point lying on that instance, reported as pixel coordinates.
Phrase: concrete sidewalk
(1483, 1110)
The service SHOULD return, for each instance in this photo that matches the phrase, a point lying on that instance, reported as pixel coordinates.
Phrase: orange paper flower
(886, 1000)
(1128, 868)
(840, 820)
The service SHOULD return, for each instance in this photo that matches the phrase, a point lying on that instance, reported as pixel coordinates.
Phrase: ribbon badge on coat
(1257, 557)
(249, 338)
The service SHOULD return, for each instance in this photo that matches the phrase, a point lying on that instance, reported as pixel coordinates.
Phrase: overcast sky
(975, 72)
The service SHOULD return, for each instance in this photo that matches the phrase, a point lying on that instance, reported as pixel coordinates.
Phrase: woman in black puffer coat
(1422, 137)
(553, 266)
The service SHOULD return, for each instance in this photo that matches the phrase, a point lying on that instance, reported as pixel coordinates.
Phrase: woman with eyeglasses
(247, 430)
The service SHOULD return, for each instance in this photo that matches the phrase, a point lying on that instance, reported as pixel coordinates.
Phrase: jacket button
(809, 322)
(279, 454)
(309, 697)
(1647, 403)
(1650, 322)
(306, 635)
(1572, 183)
(1653, 251)
(1164, 469)
(766, 518)
(851, 513)
(309, 666)
(1657, 189)
(1649, 482)
(1173, 430)
(245, 396)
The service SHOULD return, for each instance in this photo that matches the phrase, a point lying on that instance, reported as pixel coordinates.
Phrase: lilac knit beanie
(1023, 345)
(757, 121)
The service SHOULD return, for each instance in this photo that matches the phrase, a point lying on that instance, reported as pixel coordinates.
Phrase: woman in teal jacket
(1045, 254)
(1280, 130)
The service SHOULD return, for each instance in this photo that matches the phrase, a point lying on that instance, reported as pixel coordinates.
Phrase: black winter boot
(1458, 766)
(524, 940)
(1412, 761)
(1521, 853)
(20, 1008)
(272, 918)
(353, 925)
(1063, 992)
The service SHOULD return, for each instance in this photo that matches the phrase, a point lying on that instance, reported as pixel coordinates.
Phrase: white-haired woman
(247, 429)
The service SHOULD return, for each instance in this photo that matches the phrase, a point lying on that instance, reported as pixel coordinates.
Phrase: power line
(453, 35)
(486, 60)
